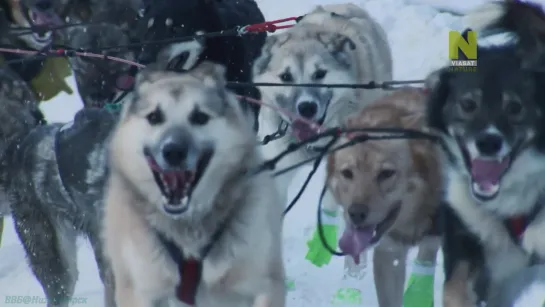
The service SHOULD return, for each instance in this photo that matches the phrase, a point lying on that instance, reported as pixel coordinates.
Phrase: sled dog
(184, 221)
(331, 44)
(389, 190)
(491, 124)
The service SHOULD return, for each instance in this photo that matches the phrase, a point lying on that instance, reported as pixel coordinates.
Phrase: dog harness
(190, 269)
(517, 225)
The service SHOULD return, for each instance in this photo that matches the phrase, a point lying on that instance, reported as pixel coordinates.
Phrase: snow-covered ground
(418, 36)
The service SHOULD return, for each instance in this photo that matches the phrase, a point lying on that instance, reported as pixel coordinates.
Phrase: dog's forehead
(493, 86)
(184, 91)
(370, 155)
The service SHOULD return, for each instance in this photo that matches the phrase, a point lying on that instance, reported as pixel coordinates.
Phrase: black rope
(309, 177)
(278, 134)
(369, 85)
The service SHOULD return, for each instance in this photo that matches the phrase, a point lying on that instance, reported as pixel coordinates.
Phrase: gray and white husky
(332, 44)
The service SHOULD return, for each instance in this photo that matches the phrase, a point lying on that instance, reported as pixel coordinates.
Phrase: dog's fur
(15, 92)
(526, 288)
(343, 42)
(397, 182)
(99, 81)
(502, 104)
(169, 19)
(54, 177)
(245, 260)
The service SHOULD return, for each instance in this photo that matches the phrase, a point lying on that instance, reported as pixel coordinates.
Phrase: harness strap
(190, 269)
(517, 225)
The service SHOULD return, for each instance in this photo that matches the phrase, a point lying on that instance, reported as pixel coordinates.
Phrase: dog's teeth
(185, 200)
(374, 233)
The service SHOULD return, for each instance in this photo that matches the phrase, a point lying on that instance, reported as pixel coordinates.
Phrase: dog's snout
(489, 144)
(357, 214)
(43, 5)
(175, 153)
(307, 109)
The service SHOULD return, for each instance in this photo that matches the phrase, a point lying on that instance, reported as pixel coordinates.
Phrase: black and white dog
(493, 130)
(165, 20)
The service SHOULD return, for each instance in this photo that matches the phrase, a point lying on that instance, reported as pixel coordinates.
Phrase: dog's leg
(532, 240)
(389, 273)
(275, 297)
(456, 291)
(427, 250)
(420, 285)
(51, 249)
(104, 268)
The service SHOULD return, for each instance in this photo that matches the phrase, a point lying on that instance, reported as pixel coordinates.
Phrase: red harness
(517, 226)
(190, 273)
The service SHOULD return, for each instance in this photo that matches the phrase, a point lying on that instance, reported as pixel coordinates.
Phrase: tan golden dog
(389, 190)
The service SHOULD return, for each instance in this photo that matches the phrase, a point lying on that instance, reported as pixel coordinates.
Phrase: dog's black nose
(307, 109)
(43, 5)
(489, 144)
(357, 214)
(175, 153)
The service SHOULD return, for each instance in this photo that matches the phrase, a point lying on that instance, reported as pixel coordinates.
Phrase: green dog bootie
(419, 292)
(317, 254)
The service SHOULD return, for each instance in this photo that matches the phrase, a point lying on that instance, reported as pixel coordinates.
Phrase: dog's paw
(533, 241)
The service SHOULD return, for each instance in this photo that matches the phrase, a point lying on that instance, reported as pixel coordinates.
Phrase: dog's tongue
(176, 182)
(125, 82)
(301, 130)
(487, 173)
(355, 240)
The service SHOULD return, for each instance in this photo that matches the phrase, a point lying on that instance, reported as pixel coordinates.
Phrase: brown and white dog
(389, 190)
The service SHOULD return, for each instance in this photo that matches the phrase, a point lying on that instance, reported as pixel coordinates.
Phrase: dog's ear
(261, 62)
(437, 85)
(211, 74)
(340, 47)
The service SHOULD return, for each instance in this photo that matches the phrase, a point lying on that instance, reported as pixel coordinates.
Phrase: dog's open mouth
(486, 173)
(124, 82)
(356, 240)
(177, 185)
(302, 130)
(42, 18)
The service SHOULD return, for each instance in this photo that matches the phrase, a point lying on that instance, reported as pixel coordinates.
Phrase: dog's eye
(156, 117)
(385, 174)
(513, 108)
(199, 118)
(319, 74)
(286, 77)
(468, 105)
(348, 174)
